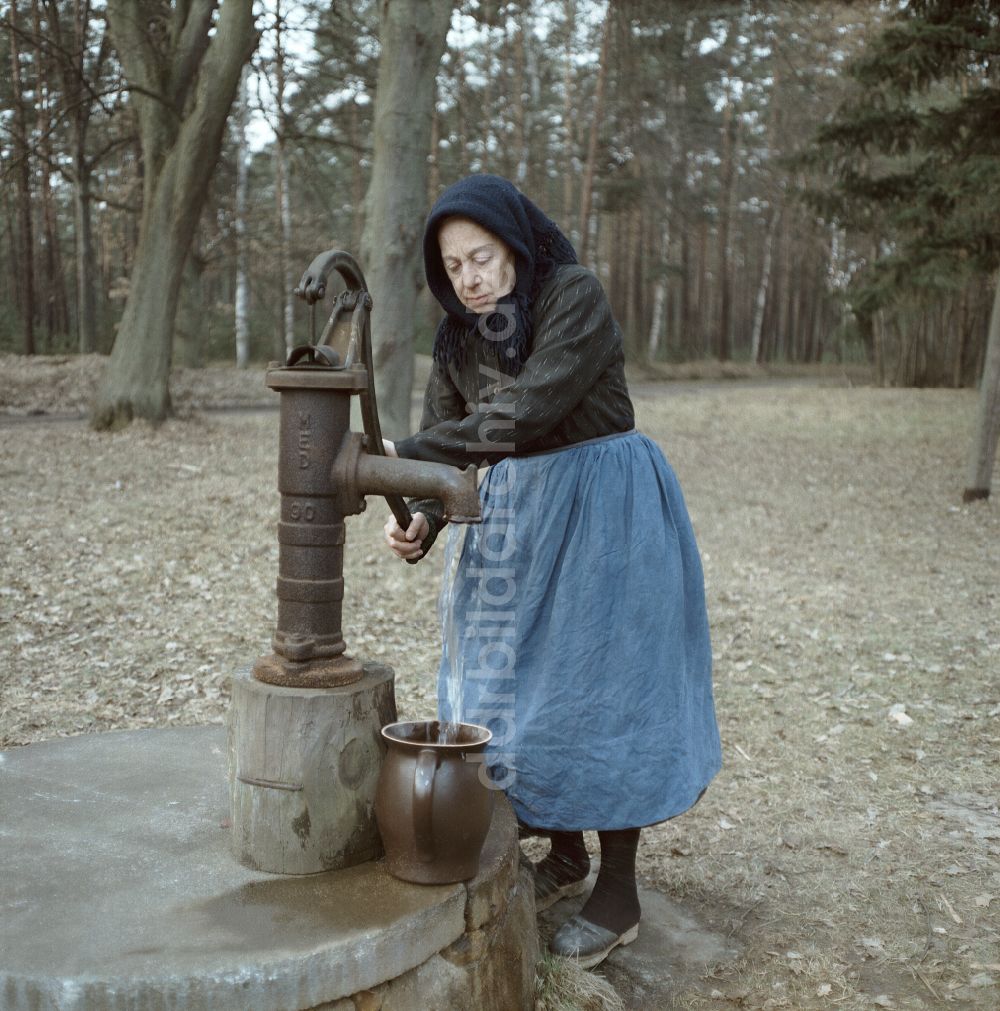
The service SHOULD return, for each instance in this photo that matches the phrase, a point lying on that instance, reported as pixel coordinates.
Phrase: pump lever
(312, 289)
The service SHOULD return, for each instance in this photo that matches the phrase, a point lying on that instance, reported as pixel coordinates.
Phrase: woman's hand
(406, 543)
(390, 448)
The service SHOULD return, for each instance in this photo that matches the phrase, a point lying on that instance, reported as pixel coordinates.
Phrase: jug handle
(423, 796)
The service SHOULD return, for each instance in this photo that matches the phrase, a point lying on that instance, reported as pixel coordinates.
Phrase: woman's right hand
(406, 543)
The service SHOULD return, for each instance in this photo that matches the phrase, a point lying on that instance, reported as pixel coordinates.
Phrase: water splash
(449, 732)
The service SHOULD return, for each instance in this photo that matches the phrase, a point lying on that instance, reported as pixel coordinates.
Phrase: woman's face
(479, 265)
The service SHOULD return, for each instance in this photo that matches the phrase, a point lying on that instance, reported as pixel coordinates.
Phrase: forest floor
(849, 846)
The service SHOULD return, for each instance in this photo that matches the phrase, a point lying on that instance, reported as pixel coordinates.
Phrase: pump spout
(457, 489)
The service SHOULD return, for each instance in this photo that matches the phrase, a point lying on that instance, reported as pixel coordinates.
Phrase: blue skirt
(574, 627)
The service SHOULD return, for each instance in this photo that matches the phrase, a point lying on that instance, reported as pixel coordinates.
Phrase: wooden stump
(303, 767)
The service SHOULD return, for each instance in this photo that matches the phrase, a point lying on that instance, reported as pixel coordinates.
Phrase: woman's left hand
(390, 448)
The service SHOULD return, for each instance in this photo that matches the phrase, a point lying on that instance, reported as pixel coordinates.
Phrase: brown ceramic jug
(432, 809)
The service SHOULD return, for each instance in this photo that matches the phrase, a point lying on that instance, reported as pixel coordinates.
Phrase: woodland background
(764, 182)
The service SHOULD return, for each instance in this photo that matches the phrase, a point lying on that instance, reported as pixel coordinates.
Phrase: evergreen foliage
(914, 154)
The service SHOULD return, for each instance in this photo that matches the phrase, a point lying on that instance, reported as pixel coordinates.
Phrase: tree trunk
(701, 299)
(22, 174)
(782, 291)
(86, 267)
(763, 287)
(189, 325)
(659, 293)
(182, 99)
(462, 126)
(616, 265)
(570, 163)
(984, 443)
(958, 354)
(878, 345)
(521, 97)
(86, 303)
(412, 35)
(286, 270)
(241, 299)
(56, 308)
(72, 49)
(808, 277)
(684, 332)
(725, 216)
(587, 187)
(434, 163)
(635, 346)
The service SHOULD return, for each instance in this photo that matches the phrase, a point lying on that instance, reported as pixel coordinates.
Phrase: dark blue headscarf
(537, 244)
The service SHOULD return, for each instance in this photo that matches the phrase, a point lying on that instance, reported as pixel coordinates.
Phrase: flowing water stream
(452, 651)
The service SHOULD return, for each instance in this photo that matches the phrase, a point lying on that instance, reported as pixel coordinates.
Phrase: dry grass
(561, 985)
(852, 854)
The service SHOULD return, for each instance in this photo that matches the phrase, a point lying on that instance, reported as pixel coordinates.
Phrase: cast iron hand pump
(324, 472)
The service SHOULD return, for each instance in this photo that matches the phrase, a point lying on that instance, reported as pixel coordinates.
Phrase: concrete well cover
(118, 890)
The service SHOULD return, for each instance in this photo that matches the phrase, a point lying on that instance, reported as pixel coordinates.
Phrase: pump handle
(356, 304)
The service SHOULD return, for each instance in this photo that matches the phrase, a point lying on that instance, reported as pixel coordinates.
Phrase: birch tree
(241, 296)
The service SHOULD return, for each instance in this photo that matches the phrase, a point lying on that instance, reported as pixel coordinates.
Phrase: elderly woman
(573, 617)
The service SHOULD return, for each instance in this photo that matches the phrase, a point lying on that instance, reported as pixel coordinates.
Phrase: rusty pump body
(324, 472)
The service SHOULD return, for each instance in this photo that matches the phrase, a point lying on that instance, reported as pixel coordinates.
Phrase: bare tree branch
(191, 43)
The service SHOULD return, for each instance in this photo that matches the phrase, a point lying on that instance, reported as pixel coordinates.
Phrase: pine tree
(915, 155)
(917, 162)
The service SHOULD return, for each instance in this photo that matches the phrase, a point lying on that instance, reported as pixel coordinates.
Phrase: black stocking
(567, 860)
(614, 902)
